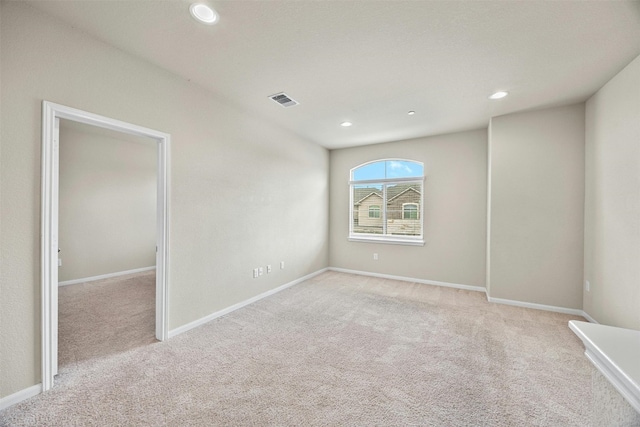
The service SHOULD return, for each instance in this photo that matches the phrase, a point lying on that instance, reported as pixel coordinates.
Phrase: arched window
(387, 201)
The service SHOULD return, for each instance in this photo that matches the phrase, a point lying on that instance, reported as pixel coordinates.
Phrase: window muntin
(386, 201)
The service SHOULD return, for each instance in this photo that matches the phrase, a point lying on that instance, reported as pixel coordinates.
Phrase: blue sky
(388, 169)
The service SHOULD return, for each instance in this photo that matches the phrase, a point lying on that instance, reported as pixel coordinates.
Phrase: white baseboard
(29, 392)
(555, 309)
(564, 310)
(410, 279)
(184, 328)
(19, 396)
(589, 318)
(105, 276)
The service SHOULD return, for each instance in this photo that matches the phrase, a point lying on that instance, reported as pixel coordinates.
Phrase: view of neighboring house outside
(369, 213)
(387, 201)
(402, 209)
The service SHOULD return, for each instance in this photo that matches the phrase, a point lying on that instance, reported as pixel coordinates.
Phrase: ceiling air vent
(283, 99)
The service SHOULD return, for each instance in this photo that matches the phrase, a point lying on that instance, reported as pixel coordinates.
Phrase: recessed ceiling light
(346, 124)
(203, 13)
(499, 95)
(411, 113)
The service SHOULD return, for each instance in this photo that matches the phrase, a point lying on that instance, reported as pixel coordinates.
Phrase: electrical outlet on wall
(281, 265)
(268, 268)
(260, 271)
(587, 286)
(255, 273)
(375, 257)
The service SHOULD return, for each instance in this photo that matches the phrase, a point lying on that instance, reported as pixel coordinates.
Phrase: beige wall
(224, 162)
(455, 195)
(537, 197)
(612, 205)
(107, 214)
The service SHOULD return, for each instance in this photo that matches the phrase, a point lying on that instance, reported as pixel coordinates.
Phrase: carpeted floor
(337, 350)
(101, 318)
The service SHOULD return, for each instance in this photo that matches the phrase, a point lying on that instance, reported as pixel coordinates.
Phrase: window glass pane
(403, 207)
(403, 169)
(367, 199)
(386, 169)
(371, 171)
(384, 207)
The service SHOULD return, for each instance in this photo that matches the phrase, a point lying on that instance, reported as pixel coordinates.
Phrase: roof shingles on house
(393, 192)
(402, 210)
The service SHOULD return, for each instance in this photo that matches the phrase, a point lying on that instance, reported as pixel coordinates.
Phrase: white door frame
(51, 115)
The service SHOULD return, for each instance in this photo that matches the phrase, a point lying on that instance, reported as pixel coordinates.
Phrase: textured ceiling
(370, 62)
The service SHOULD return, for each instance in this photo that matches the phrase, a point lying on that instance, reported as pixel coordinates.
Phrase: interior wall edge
(589, 318)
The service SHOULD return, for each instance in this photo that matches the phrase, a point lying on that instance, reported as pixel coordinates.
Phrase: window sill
(387, 240)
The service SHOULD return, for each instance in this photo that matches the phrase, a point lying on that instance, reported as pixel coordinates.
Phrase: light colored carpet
(339, 350)
(104, 317)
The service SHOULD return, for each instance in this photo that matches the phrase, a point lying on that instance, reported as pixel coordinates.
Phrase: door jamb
(51, 113)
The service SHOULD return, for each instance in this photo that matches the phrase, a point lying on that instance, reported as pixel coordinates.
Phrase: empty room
(319, 213)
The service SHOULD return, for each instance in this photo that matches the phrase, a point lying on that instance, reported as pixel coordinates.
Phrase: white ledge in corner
(616, 353)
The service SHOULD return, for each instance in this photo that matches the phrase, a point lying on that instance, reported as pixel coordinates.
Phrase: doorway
(51, 115)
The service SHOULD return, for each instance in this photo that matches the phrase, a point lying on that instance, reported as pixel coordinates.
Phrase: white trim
(49, 243)
(489, 184)
(184, 328)
(51, 115)
(385, 224)
(19, 396)
(469, 288)
(390, 180)
(614, 352)
(589, 318)
(535, 306)
(389, 241)
(410, 279)
(106, 276)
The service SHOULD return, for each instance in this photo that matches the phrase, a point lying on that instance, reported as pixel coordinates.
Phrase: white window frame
(386, 238)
